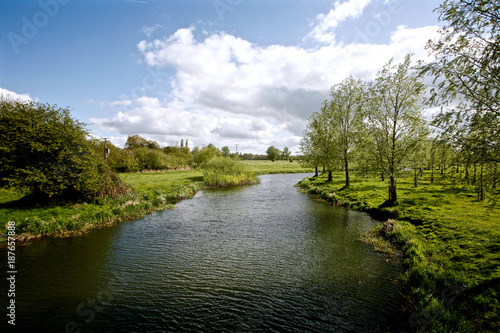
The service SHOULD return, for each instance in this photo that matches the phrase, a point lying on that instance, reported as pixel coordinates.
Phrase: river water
(260, 258)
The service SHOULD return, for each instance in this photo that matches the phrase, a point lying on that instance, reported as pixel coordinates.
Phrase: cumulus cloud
(225, 88)
(324, 25)
(10, 95)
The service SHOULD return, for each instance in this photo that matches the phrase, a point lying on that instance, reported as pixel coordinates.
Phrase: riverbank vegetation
(147, 192)
(434, 183)
(226, 171)
(448, 238)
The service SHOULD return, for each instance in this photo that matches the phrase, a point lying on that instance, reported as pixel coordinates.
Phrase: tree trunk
(392, 190)
(481, 180)
(347, 179)
(474, 175)
(382, 175)
(494, 181)
(330, 177)
(316, 171)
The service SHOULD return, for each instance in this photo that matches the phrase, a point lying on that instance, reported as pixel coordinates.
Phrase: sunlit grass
(449, 237)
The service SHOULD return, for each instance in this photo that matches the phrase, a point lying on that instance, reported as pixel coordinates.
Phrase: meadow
(449, 241)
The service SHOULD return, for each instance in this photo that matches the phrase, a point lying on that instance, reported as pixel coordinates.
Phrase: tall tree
(395, 117)
(345, 112)
(467, 75)
(322, 139)
(310, 152)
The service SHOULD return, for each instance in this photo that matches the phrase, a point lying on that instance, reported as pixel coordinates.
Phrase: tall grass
(225, 171)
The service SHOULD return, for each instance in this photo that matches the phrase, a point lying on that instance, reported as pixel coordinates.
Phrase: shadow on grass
(36, 200)
(387, 204)
(196, 179)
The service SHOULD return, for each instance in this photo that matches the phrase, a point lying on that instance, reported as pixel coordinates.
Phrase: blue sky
(246, 72)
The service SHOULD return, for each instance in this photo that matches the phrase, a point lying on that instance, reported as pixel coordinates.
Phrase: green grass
(151, 191)
(447, 237)
(268, 167)
(225, 171)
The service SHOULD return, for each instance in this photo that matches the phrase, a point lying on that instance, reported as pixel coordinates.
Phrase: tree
(225, 151)
(205, 154)
(346, 114)
(136, 141)
(45, 153)
(273, 153)
(310, 152)
(285, 154)
(467, 77)
(321, 140)
(395, 117)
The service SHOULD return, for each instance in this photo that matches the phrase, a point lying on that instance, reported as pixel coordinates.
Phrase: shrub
(45, 153)
(224, 171)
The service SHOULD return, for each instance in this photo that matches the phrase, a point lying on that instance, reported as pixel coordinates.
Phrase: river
(257, 258)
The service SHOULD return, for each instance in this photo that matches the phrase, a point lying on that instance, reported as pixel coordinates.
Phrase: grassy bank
(450, 243)
(152, 191)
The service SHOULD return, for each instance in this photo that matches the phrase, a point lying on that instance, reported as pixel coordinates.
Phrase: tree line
(48, 155)
(379, 126)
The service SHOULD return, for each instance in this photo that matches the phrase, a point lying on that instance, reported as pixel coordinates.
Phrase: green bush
(45, 153)
(225, 171)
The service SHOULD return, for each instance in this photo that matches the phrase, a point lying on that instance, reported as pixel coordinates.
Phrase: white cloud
(10, 95)
(325, 24)
(227, 89)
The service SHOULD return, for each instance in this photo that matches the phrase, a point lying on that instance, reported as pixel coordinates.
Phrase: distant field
(267, 167)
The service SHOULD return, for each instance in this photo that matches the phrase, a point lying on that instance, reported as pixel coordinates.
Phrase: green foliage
(273, 153)
(395, 117)
(44, 152)
(225, 151)
(135, 141)
(466, 80)
(225, 171)
(286, 154)
(364, 124)
(205, 154)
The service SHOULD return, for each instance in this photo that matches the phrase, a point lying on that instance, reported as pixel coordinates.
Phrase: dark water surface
(260, 258)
